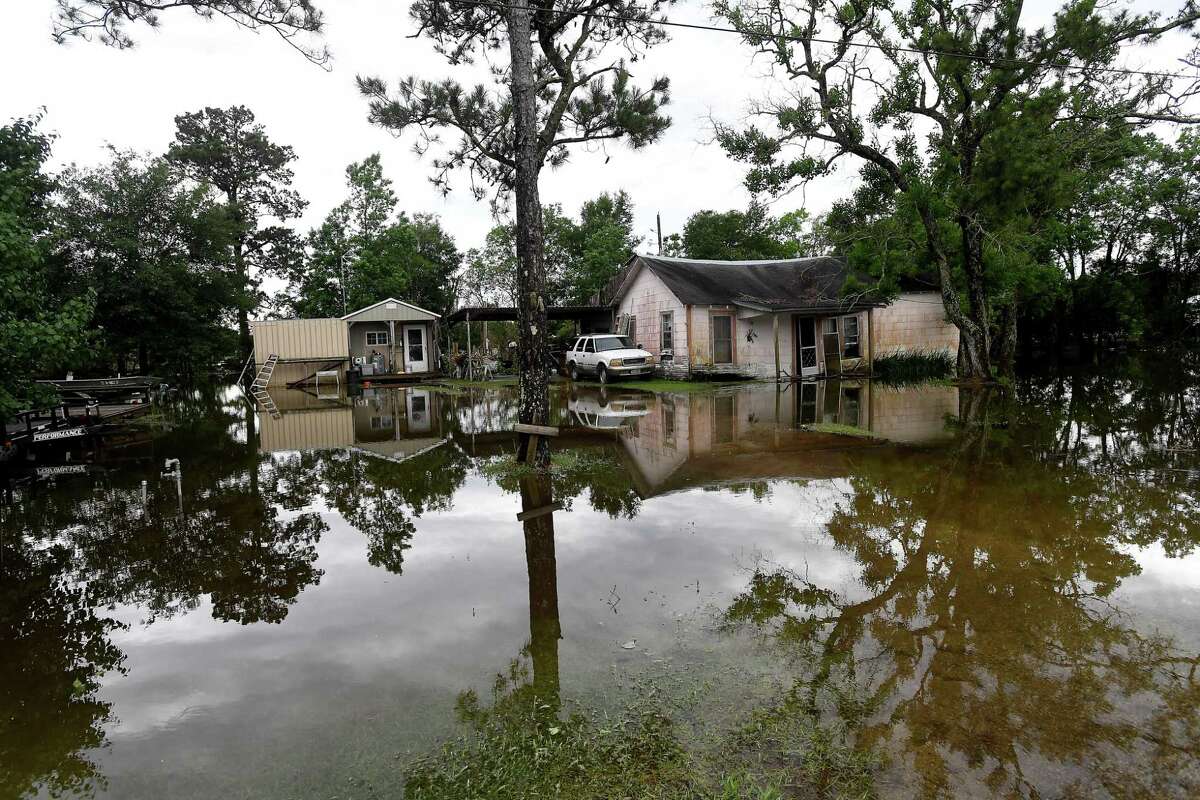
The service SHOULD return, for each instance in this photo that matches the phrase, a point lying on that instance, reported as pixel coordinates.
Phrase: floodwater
(1010, 581)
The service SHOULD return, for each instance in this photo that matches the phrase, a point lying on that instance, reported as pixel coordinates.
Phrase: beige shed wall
(299, 339)
(916, 321)
(306, 430)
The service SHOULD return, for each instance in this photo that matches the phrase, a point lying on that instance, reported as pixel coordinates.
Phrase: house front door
(416, 354)
(806, 335)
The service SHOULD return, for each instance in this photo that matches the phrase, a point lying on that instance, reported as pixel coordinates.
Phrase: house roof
(364, 310)
(795, 284)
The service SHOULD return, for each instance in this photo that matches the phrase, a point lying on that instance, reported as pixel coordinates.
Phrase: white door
(416, 355)
(806, 336)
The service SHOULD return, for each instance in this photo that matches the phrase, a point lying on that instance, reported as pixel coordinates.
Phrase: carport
(588, 319)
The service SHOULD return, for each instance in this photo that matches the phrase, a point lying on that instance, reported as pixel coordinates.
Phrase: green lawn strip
(667, 385)
(459, 383)
(841, 430)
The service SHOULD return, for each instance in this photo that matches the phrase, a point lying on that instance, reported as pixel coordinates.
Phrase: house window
(722, 337)
(667, 335)
(633, 336)
(377, 338)
(850, 347)
(831, 326)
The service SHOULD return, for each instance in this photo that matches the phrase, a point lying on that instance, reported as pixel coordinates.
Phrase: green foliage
(40, 335)
(747, 235)
(586, 93)
(913, 366)
(108, 20)
(521, 747)
(227, 149)
(154, 249)
(363, 252)
(964, 161)
(581, 257)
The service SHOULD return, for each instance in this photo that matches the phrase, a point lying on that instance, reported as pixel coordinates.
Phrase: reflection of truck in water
(603, 410)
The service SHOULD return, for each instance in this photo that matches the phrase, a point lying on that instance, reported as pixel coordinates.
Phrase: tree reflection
(54, 647)
(379, 497)
(984, 623)
(537, 505)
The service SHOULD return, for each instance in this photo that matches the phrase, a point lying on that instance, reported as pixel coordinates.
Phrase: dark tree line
(157, 263)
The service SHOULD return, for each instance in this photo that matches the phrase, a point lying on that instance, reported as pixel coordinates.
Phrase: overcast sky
(95, 95)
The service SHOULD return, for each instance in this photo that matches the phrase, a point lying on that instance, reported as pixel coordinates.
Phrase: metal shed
(302, 346)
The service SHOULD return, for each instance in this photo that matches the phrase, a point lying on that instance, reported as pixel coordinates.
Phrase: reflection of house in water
(758, 433)
(394, 423)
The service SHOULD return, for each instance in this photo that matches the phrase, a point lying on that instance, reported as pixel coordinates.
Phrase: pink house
(765, 319)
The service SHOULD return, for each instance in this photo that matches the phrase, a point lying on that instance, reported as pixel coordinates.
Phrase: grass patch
(914, 366)
(463, 383)
(839, 429)
(669, 385)
(525, 746)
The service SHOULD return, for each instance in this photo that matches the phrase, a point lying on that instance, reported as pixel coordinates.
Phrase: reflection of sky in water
(367, 663)
(458, 614)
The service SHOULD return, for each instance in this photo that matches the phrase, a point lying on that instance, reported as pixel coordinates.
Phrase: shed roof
(793, 284)
(382, 309)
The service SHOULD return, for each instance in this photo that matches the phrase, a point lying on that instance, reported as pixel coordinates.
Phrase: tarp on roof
(791, 284)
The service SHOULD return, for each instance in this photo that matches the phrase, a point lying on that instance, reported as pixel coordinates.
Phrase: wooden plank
(536, 430)
(542, 511)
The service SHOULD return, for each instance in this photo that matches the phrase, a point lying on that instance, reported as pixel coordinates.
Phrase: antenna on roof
(658, 219)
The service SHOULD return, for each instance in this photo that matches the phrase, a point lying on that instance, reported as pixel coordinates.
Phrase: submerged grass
(914, 366)
(524, 747)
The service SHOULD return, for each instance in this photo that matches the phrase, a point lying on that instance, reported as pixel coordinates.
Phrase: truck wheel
(602, 373)
(573, 371)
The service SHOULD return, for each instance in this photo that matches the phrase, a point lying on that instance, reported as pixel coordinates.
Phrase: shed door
(415, 351)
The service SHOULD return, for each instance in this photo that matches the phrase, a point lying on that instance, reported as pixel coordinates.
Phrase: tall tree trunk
(973, 360)
(534, 404)
(1006, 352)
(239, 264)
(979, 333)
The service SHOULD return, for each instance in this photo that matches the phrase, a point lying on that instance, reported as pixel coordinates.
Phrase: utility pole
(658, 219)
(342, 281)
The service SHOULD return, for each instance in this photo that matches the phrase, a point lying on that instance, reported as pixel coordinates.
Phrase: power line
(1015, 62)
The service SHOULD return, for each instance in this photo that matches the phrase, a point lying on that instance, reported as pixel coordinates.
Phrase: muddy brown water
(1010, 580)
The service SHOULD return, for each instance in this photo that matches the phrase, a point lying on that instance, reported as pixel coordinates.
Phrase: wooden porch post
(470, 366)
(391, 345)
(775, 325)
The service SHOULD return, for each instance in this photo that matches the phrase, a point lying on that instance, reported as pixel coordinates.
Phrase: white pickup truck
(608, 357)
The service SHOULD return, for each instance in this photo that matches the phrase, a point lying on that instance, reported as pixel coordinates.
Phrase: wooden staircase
(264, 373)
(259, 387)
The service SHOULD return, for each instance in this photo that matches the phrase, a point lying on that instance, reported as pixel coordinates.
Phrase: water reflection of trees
(985, 625)
(54, 646)
(71, 551)
(379, 497)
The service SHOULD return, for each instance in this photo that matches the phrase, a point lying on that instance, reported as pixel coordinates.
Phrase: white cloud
(95, 95)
